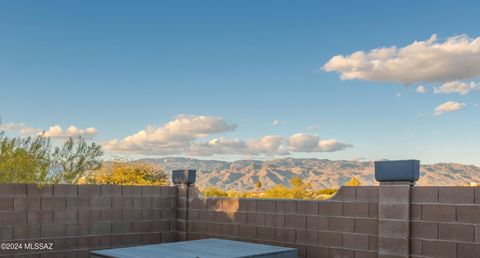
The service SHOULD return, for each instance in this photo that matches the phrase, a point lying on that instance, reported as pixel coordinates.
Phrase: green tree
(353, 182)
(129, 173)
(258, 185)
(75, 158)
(24, 160)
(296, 181)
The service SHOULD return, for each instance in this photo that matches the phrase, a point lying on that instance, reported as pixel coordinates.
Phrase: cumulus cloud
(277, 122)
(431, 60)
(456, 87)
(55, 131)
(421, 89)
(301, 142)
(187, 140)
(449, 106)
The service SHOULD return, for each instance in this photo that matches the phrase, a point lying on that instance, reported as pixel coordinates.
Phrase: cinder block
(416, 246)
(366, 226)
(78, 203)
(330, 208)
(416, 212)
(457, 232)
(101, 228)
(228, 204)
(266, 206)
(111, 190)
(393, 246)
(468, 250)
(469, 214)
(121, 227)
(307, 237)
(394, 211)
(477, 194)
(456, 194)
(65, 190)
(345, 193)
(441, 213)
(355, 241)
(367, 193)
(365, 254)
(122, 203)
(13, 190)
(477, 233)
(373, 210)
(77, 229)
(142, 226)
(295, 221)
(40, 217)
(132, 239)
(318, 222)
(198, 203)
(67, 216)
(344, 253)
(285, 235)
(214, 204)
(257, 219)
(394, 194)
(313, 251)
(131, 191)
(274, 220)
(150, 191)
(151, 238)
(87, 216)
(248, 232)
(161, 225)
(286, 206)
(230, 230)
(53, 230)
(373, 243)
(26, 231)
(393, 228)
(53, 203)
(88, 190)
(265, 233)
(131, 215)
(39, 190)
(425, 230)
(439, 249)
(356, 209)
(341, 224)
(6, 233)
(6, 204)
(100, 203)
(197, 227)
(307, 207)
(424, 194)
(240, 218)
(115, 215)
(21, 204)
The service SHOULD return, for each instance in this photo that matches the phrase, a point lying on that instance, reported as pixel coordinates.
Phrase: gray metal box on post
(184, 176)
(397, 170)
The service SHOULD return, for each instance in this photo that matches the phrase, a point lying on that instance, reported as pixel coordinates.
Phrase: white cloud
(57, 131)
(456, 87)
(170, 140)
(449, 106)
(421, 89)
(456, 58)
(310, 143)
(277, 122)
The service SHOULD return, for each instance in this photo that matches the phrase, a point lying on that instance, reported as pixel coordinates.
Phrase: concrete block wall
(79, 218)
(445, 222)
(345, 226)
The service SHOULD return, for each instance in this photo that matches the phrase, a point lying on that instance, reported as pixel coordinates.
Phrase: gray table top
(205, 248)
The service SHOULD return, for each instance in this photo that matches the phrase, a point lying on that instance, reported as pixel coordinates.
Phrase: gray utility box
(184, 176)
(205, 248)
(397, 170)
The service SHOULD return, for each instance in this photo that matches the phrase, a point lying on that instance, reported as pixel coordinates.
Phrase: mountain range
(242, 175)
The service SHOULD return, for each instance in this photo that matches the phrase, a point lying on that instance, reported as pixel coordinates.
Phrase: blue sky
(120, 66)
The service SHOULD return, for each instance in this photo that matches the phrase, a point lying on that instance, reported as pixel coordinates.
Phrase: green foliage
(34, 160)
(353, 182)
(298, 190)
(24, 160)
(74, 159)
(133, 173)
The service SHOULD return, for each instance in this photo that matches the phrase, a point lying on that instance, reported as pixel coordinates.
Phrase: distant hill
(322, 173)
